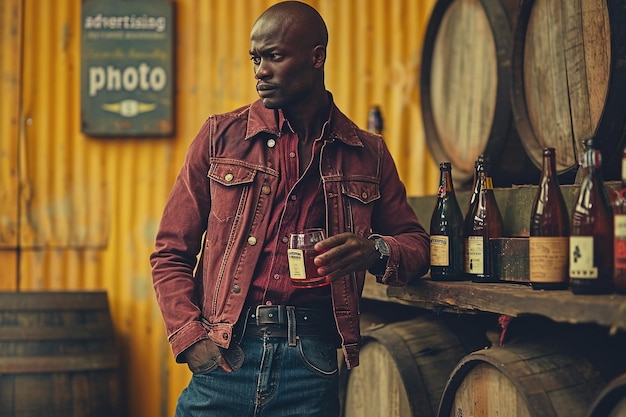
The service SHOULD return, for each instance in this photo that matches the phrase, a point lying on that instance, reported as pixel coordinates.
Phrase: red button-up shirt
(298, 205)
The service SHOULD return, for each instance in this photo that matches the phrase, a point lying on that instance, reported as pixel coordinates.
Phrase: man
(257, 345)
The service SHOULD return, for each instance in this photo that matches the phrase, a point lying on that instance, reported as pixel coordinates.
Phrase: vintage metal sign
(127, 80)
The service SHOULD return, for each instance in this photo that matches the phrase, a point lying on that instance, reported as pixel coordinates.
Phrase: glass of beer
(302, 270)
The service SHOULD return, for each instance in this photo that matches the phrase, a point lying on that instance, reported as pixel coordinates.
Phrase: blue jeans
(275, 380)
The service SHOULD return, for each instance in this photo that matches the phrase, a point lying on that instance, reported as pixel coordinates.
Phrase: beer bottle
(591, 238)
(619, 259)
(549, 231)
(446, 231)
(375, 120)
(484, 222)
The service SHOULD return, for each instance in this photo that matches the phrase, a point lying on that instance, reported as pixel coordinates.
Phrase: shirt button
(229, 177)
(292, 154)
(268, 303)
(285, 239)
(271, 143)
(276, 277)
(252, 241)
(293, 197)
(265, 189)
(236, 289)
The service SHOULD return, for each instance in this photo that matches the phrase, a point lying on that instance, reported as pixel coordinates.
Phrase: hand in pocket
(205, 356)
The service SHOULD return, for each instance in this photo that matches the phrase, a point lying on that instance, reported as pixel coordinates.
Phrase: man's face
(283, 65)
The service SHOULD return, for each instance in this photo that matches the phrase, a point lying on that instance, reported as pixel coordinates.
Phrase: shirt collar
(271, 121)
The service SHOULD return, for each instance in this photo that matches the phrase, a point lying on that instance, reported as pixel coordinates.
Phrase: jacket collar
(263, 120)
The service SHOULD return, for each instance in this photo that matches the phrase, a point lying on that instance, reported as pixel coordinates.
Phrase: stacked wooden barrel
(509, 78)
(58, 355)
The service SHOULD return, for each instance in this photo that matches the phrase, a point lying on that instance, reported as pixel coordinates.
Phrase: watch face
(381, 247)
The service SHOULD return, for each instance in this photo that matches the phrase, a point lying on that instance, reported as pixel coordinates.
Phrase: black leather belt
(286, 321)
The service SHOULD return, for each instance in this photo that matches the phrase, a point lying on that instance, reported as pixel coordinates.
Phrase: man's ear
(319, 56)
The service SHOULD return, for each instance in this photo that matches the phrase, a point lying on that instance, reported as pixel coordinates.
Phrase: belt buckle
(273, 314)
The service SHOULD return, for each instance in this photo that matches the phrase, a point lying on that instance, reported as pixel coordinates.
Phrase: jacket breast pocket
(231, 182)
(361, 195)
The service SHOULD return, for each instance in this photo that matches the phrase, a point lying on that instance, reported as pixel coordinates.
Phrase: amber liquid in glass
(591, 237)
(483, 222)
(549, 231)
(301, 254)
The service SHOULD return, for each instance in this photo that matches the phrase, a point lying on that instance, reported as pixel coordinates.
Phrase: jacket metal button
(364, 195)
(225, 336)
(229, 177)
(236, 289)
(252, 241)
(271, 143)
(266, 189)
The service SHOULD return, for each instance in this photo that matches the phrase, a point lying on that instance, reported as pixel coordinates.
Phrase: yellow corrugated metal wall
(80, 213)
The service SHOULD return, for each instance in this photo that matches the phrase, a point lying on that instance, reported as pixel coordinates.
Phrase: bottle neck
(485, 181)
(549, 165)
(445, 183)
(592, 160)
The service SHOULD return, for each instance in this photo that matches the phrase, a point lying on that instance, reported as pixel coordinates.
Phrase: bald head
(288, 50)
(299, 18)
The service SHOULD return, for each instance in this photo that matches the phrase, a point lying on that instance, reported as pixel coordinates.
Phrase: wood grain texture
(522, 380)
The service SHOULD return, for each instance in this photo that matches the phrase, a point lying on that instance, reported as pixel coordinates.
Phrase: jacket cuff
(185, 337)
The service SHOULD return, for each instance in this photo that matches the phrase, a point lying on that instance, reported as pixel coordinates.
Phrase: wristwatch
(382, 248)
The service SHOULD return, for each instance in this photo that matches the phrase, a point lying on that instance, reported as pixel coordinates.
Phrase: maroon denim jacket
(221, 200)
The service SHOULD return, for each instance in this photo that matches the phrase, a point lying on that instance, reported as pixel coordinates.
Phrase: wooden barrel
(57, 355)
(524, 380)
(465, 82)
(403, 369)
(569, 80)
(612, 400)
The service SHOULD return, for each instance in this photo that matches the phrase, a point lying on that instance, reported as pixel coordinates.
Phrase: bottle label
(620, 241)
(439, 253)
(474, 256)
(548, 259)
(581, 264)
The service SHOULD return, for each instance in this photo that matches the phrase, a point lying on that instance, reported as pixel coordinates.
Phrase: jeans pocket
(319, 355)
(208, 366)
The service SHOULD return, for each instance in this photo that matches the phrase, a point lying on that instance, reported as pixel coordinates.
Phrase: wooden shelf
(504, 298)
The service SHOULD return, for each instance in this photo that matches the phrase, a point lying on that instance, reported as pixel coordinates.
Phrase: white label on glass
(581, 264)
(620, 226)
(474, 259)
(296, 263)
(548, 258)
(439, 250)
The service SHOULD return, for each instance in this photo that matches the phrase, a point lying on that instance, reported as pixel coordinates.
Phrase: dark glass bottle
(591, 238)
(375, 120)
(484, 222)
(446, 231)
(468, 219)
(549, 231)
(619, 222)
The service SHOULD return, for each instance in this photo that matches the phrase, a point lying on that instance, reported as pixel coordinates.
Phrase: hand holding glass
(302, 270)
